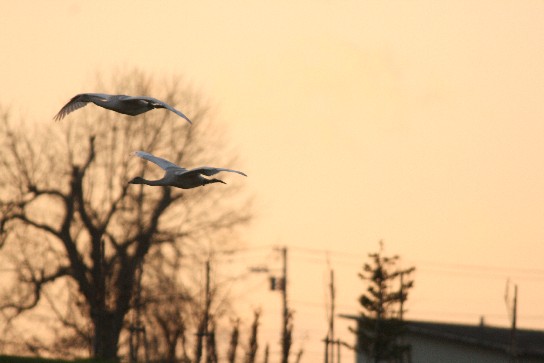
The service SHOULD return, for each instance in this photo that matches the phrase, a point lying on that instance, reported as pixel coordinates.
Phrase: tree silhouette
(380, 325)
(253, 345)
(77, 232)
(233, 344)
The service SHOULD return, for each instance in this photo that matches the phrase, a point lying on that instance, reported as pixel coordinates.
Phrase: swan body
(176, 176)
(128, 105)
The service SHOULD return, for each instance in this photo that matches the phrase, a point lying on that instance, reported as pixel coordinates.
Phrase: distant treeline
(15, 359)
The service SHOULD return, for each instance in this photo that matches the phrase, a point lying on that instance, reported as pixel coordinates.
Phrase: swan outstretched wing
(158, 102)
(163, 163)
(209, 171)
(77, 102)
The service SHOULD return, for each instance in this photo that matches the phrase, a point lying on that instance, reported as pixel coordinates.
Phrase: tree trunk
(107, 329)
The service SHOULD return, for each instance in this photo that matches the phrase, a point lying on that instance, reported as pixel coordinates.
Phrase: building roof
(529, 343)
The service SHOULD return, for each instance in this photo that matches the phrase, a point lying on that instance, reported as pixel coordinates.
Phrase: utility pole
(286, 343)
(326, 349)
(281, 284)
(331, 319)
(401, 312)
(512, 313)
(513, 339)
(202, 330)
(207, 304)
(330, 342)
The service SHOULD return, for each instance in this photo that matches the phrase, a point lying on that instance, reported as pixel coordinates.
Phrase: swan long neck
(158, 182)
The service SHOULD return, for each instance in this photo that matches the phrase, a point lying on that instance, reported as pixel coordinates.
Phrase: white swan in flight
(128, 105)
(176, 176)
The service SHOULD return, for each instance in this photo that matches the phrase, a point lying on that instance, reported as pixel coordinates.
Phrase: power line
(363, 257)
(520, 273)
(482, 267)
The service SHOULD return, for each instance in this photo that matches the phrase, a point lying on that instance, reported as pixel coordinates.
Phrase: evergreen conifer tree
(380, 325)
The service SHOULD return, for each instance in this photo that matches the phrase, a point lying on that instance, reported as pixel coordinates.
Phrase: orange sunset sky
(417, 122)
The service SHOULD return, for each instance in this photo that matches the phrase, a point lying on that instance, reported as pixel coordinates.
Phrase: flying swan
(176, 176)
(128, 105)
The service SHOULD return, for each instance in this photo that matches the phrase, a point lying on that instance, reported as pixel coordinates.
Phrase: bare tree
(251, 353)
(266, 353)
(165, 309)
(211, 346)
(78, 231)
(233, 346)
